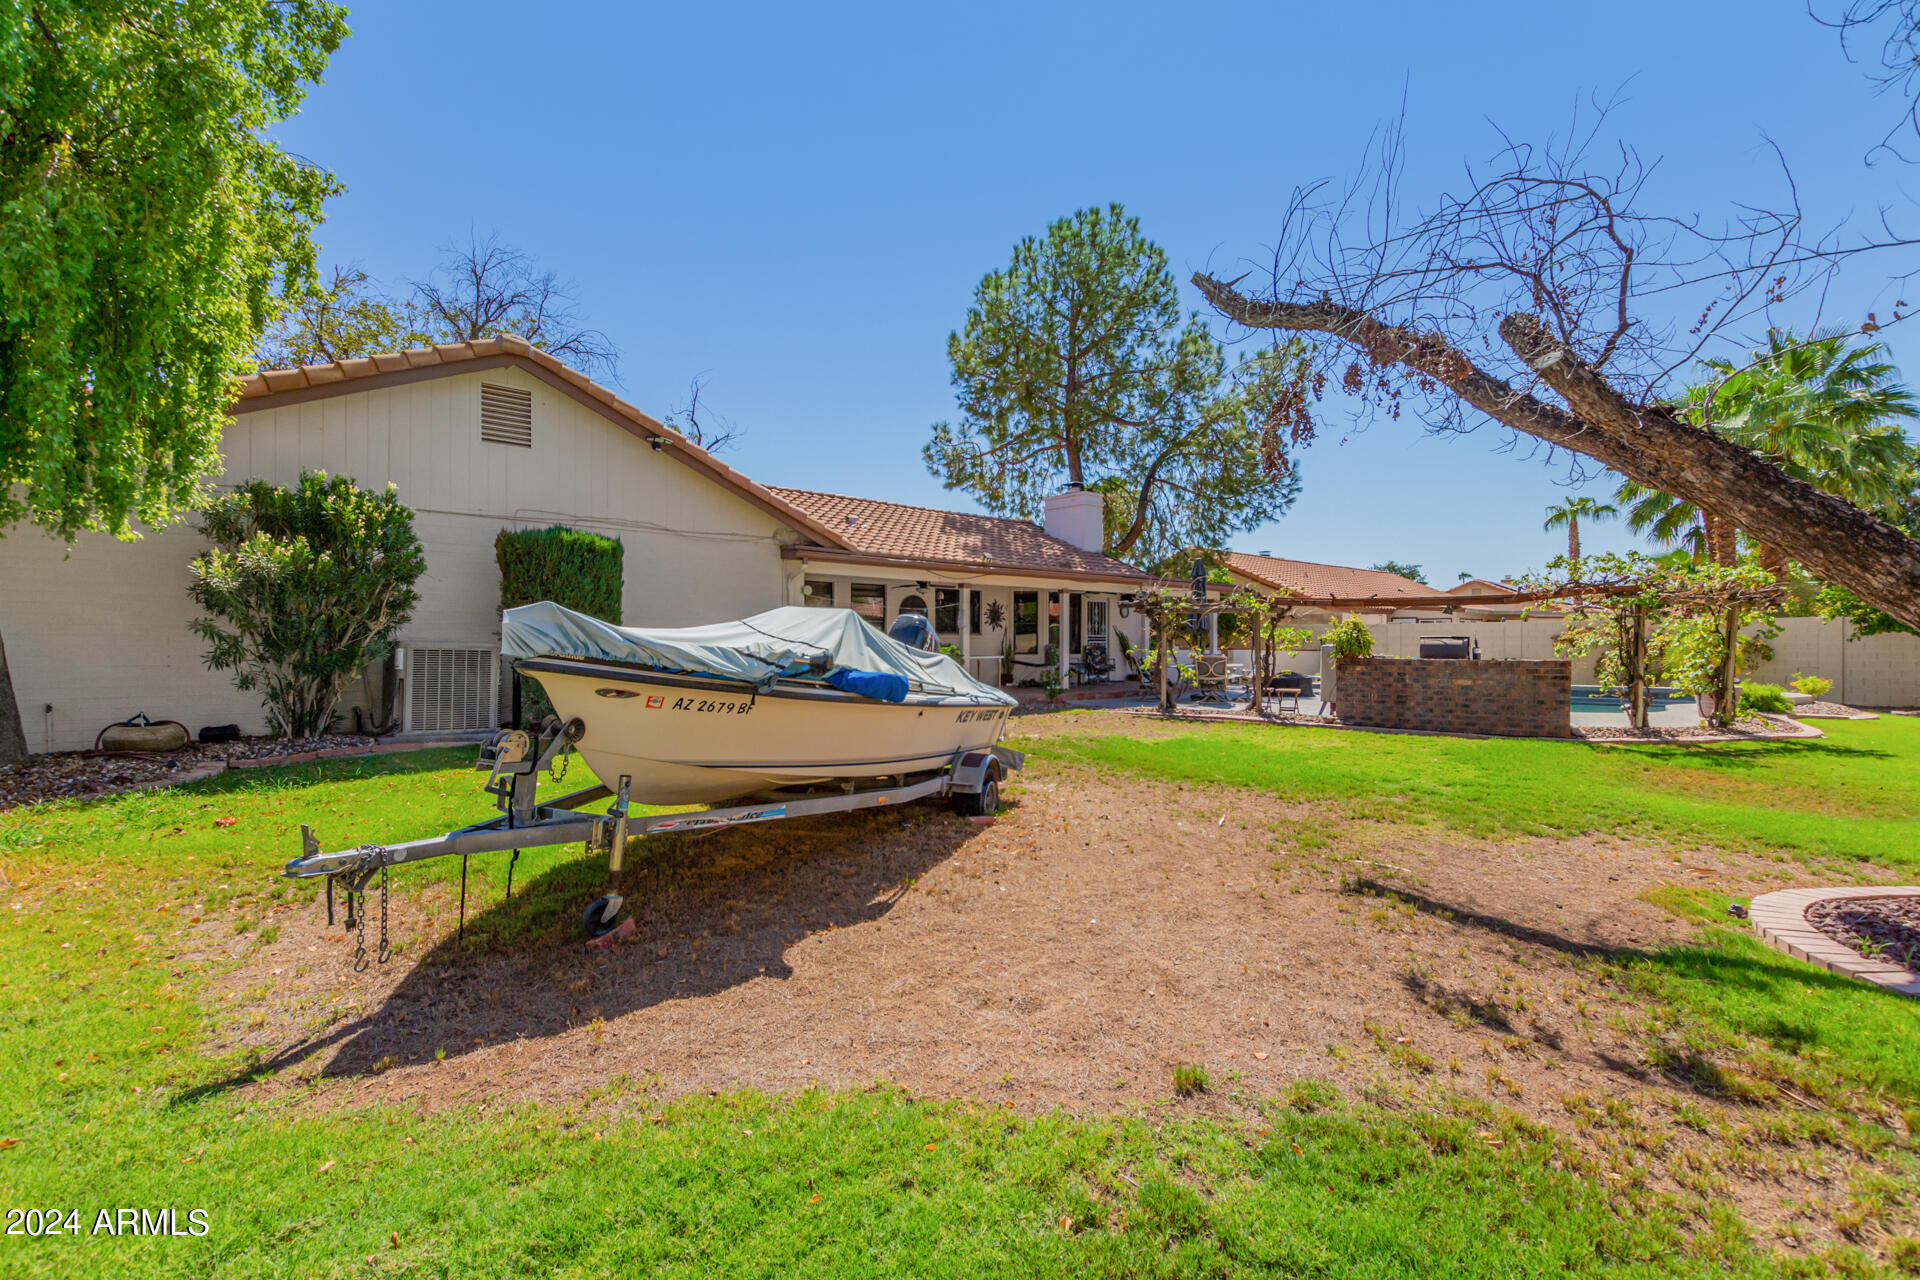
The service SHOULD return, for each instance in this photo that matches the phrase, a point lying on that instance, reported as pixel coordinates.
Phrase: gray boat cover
(779, 643)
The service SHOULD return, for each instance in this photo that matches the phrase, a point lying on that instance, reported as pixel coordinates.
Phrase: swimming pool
(1592, 697)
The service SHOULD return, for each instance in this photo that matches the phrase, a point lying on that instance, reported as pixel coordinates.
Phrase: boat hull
(686, 740)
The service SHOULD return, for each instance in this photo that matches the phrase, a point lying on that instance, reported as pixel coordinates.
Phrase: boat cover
(770, 646)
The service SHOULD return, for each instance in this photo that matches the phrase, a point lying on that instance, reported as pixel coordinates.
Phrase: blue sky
(797, 201)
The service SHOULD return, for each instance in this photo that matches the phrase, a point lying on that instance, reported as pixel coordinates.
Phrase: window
(946, 611)
(1073, 622)
(819, 594)
(869, 600)
(974, 607)
(1053, 621)
(1026, 622)
(506, 415)
(914, 604)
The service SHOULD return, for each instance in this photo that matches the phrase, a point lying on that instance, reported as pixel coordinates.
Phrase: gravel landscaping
(67, 774)
(1879, 928)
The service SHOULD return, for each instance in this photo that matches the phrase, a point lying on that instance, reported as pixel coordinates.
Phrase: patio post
(1160, 658)
(966, 625)
(1066, 631)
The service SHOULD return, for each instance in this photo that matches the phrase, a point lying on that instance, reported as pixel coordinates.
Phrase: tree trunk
(1649, 443)
(1774, 561)
(1573, 545)
(1722, 538)
(1730, 669)
(13, 734)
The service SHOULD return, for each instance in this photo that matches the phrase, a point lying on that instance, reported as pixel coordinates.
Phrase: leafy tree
(1566, 515)
(1075, 364)
(1408, 571)
(345, 320)
(1822, 409)
(305, 587)
(146, 219)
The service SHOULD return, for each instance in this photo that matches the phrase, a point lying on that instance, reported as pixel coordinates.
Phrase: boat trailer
(513, 760)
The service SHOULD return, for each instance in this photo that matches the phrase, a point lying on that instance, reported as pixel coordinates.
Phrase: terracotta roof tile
(950, 537)
(1307, 578)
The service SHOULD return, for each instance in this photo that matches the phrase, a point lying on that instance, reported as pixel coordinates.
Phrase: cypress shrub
(571, 567)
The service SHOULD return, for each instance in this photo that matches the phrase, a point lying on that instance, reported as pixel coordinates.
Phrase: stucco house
(481, 436)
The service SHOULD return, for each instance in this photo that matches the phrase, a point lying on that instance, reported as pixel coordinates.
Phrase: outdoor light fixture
(658, 442)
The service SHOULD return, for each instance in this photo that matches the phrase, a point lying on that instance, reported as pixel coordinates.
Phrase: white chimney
(1077, 517)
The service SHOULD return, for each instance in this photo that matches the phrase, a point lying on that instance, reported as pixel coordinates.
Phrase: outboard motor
(914, 629)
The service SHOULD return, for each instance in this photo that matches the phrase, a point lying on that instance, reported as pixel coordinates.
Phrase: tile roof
(896, 531)
(270, 386)
(1481, 587)
(1310, 579)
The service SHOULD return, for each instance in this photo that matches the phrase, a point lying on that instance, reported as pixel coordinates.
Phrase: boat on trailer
(794, 712)
(786, 698)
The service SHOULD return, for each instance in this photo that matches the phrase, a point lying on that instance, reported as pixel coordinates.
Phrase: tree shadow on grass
(712, 911)
(1736, 757)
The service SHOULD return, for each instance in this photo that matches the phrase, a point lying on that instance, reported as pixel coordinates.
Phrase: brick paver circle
(1781, 919)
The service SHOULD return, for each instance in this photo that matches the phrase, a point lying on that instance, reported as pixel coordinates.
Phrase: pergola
(1164, 606)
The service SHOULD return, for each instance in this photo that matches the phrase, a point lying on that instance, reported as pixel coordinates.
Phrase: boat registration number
(704, 706)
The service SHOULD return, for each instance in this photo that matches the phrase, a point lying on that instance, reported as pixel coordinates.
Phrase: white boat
(786, 698)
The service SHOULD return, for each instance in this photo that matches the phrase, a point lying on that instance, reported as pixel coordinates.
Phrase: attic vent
(451, 690)
(506, 415)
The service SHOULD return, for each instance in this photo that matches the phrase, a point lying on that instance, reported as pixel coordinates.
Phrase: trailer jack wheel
(601, 915)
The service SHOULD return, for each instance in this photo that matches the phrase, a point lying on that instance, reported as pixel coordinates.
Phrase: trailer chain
(557, 770)
(370, 853)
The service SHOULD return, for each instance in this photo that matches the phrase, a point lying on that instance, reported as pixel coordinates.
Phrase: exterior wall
(1520, 699)
(100, 630)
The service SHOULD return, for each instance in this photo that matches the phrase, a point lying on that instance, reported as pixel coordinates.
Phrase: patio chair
(1095, 665)
(1211, 676)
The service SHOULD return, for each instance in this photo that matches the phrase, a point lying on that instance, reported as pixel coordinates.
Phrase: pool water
(1591, 697)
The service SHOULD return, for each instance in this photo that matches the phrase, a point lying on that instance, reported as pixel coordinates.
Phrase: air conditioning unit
(451, 689)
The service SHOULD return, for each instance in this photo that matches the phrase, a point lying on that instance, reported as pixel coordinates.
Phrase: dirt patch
(1071, 954)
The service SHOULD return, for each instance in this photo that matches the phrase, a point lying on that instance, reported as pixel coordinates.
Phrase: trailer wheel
(983, 803)
(596, 919)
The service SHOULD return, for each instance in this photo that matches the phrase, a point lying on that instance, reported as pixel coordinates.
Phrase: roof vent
(506, 415)
(853, 522)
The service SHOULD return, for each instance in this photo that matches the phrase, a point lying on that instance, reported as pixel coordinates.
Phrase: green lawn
(107, 1102)
(1854, 796)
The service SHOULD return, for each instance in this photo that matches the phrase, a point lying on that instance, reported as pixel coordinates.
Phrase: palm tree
(1567, 515)
(1823, 411)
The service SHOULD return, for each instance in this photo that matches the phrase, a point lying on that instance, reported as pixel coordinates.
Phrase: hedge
(571, 567)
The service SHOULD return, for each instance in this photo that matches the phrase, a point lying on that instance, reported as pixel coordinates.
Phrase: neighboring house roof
(894, 533)
(1481, 587)
(1305, 577)
(272, 388)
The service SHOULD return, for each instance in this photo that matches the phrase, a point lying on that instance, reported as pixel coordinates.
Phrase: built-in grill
(1448, 647)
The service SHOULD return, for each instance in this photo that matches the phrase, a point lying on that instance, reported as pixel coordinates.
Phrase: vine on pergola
(1626, 609)
(1265, 617)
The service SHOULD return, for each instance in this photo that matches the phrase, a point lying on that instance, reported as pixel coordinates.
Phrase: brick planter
(1509, 699)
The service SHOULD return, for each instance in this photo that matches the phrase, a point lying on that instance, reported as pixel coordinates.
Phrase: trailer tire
(593, 921)
(983, 803)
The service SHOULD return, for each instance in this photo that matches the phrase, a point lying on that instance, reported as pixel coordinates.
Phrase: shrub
(1189, 1078)
(305, 587)
(582, 571)
(577, 570)
(1349, 638)
(1763, 697)
(1812, 686)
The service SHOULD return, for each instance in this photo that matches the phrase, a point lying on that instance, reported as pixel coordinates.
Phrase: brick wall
(1513, 699)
